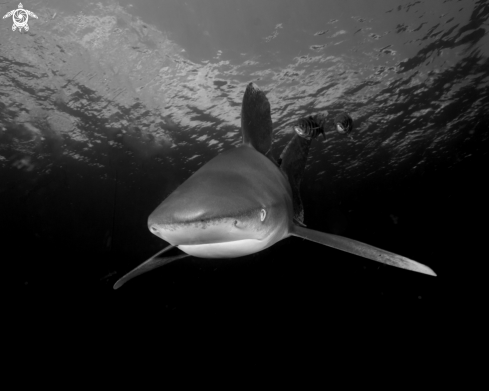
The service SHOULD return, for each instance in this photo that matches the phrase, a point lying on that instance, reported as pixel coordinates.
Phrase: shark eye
(263, 214)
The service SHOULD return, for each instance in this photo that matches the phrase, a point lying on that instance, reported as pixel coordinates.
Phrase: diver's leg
(293, 161)
(294, 157)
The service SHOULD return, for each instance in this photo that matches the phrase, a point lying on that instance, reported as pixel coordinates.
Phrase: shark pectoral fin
(150, 264)
(361, 249)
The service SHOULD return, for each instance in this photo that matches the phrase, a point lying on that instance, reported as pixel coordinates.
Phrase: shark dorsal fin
(256, 121)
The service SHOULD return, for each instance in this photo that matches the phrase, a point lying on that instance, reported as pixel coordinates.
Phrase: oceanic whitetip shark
(242, 202)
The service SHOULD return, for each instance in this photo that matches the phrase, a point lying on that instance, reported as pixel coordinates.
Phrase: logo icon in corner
(20, 16)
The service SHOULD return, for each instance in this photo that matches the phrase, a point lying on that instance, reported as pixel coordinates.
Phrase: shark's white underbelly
(233, 249)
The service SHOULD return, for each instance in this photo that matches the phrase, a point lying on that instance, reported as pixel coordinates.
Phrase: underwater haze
(107, 107)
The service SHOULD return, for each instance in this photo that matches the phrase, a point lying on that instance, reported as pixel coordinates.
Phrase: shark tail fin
(150, 264)
(361, 249)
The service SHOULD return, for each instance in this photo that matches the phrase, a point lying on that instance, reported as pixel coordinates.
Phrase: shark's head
(226, 209)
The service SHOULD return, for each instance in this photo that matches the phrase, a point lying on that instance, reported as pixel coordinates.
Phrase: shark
(242, 202)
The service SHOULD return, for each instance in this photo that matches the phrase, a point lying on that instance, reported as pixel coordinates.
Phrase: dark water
(105, 109)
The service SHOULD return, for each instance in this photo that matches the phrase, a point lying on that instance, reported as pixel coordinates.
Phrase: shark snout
(163, 230)
(153, 227)
(171, 234)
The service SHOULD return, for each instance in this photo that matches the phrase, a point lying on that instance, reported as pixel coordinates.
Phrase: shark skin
(239, 198)
(240, 203)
